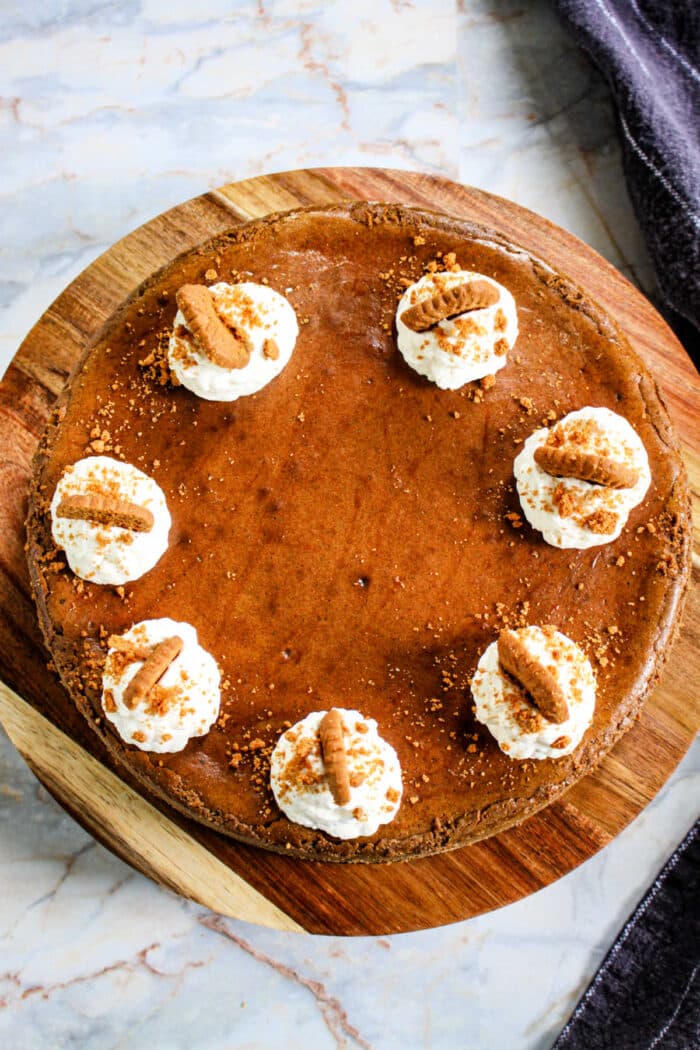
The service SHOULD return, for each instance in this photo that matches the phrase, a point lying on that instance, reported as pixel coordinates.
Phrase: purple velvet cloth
(649, 52)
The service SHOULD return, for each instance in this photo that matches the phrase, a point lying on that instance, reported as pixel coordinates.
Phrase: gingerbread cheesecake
(359, 533)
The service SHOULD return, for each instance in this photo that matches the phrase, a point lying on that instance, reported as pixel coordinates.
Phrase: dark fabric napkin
(649, 52)
(646, 994)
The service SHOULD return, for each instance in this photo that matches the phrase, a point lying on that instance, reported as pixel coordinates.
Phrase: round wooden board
(241, 881)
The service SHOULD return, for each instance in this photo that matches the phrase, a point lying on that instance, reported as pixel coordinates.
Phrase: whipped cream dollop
(184, 703)
(519, 728)
(262, 314)
(109, 554)
(570, 512)
(301, 787)
(458, 349)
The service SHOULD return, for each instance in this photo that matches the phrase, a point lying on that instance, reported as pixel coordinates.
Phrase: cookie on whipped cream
(592, 508)
(111, 520)
(456, 326)
(160, 688)
(511, 713)
(258, 324)
(308, 778)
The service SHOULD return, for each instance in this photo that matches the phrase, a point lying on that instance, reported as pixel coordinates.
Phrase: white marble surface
(110, 113)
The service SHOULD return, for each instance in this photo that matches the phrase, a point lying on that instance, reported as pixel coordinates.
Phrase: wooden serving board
(242, 881)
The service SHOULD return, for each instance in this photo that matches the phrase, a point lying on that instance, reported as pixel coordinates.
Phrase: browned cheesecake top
(351, 537)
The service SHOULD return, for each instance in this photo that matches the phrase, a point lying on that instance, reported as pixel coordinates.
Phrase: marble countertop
(111, 113)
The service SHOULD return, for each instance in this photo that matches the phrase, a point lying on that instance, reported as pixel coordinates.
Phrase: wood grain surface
(242, 881)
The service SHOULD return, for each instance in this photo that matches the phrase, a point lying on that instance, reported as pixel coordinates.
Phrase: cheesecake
(346, 533)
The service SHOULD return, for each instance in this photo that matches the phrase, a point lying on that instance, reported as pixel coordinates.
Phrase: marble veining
(111, 112)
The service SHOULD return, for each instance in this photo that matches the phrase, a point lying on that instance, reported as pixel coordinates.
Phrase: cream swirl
(264, 316)
(459, 349)
(301, 787)
(572, 513)
(109, 554)
(184, 703)
(520, 730)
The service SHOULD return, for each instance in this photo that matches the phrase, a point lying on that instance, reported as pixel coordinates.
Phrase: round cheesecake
(351, 536)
